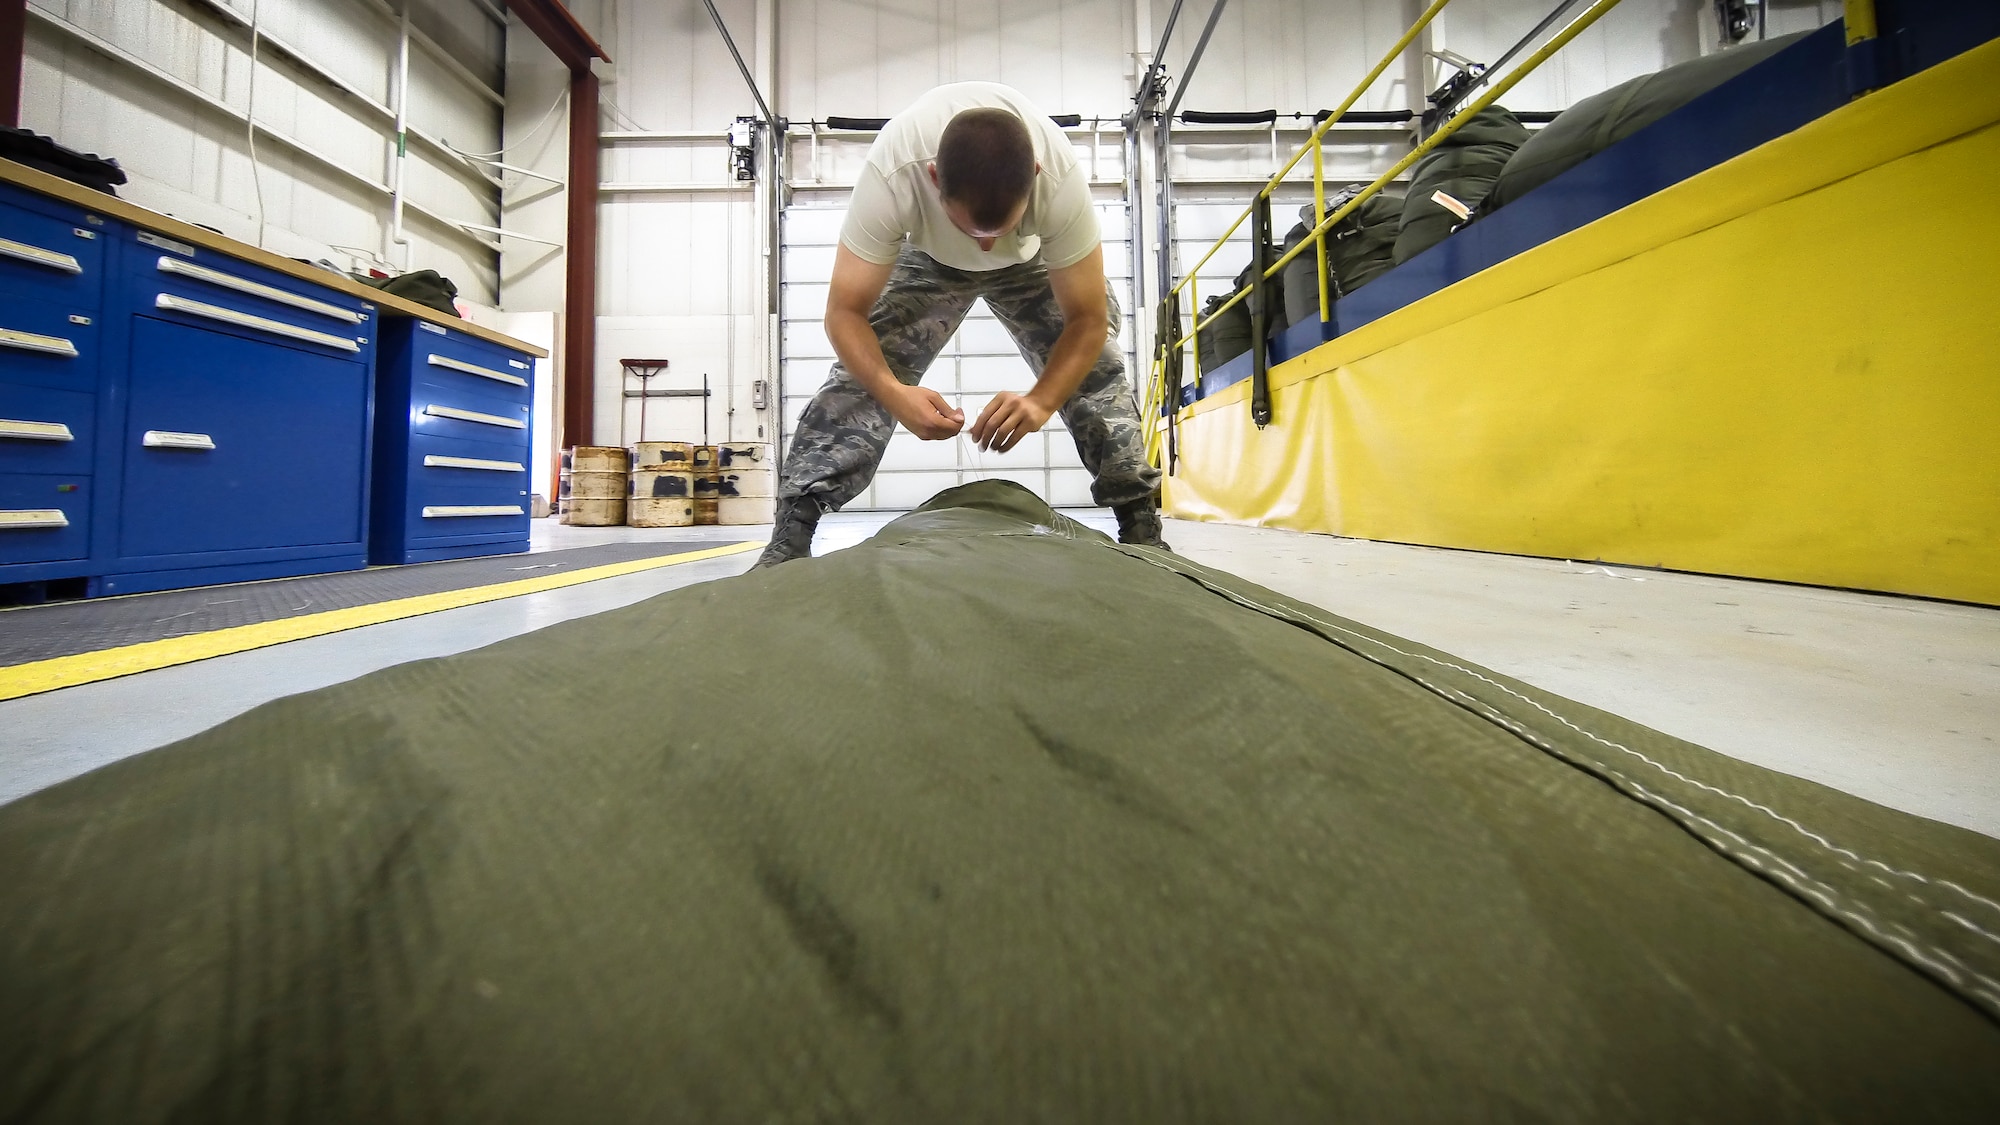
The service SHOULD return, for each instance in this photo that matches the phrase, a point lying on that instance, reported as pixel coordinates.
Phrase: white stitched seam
(1791, 871)
(1772, 813)
(1791, 874)
(1819, 892)
(1745, 801)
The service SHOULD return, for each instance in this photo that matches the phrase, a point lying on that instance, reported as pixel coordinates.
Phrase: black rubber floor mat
(44, 632)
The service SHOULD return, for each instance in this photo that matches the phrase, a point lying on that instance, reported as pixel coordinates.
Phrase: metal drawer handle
(256, 289)
(247, 320)
(174, 439)
(447, 510)
(35, 255)
(34, 431)
(24, 518)
(433, 461)
(36, 342)
(475, 369)
(474, 416)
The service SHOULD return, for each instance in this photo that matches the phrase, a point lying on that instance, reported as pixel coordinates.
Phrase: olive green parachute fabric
(1225, 339)
(1603, 119)
(1359, 248)
(1463, 166)
(985, 820)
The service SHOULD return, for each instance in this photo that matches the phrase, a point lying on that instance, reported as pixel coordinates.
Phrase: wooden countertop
(21, 175)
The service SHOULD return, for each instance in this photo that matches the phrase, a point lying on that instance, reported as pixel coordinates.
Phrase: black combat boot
(792, 538)
(1139, 524)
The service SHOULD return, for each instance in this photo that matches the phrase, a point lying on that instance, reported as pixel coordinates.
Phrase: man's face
(963, 221)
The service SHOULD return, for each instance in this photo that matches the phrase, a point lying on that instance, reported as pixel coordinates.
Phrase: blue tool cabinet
(174, 414)
(452, 430)
(242, 441)
(52, 269)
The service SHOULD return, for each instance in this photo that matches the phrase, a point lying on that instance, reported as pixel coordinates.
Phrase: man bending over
(971, 192)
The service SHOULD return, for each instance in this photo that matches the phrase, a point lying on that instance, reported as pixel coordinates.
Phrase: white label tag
(1452, 205)
(165, 243)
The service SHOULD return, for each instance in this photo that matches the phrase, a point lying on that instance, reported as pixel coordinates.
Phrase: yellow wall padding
(1787, 367)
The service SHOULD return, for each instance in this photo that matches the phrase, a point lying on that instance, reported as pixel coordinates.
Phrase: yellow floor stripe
(110, 663)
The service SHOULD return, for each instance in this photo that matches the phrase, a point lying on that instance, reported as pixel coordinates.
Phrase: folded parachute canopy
(986, 819)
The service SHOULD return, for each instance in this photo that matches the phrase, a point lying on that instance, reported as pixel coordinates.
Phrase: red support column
(559, 30)
(580, 303)
(13, 44)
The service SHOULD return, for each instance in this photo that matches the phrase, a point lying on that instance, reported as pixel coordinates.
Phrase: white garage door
(979, 361)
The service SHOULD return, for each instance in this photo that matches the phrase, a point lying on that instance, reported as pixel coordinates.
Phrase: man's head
(984, 172)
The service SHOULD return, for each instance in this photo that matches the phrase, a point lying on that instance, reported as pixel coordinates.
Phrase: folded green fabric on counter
(987, 819)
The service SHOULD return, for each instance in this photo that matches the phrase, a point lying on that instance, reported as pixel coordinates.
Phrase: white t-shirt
(895, 199)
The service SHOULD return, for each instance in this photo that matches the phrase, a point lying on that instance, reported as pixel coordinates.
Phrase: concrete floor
(1893, 699)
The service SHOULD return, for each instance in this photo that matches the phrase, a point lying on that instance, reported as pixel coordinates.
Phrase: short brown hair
(986, 164)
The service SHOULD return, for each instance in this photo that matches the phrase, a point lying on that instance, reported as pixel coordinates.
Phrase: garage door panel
(804, 376)
(809, 263)
(1035, 481)
(986, 374)
(807, 340)
(1069, 488)
(814, 227)
(907, 490)
(906, 451)
(1062, 451)
(985, 337)
(805, 302)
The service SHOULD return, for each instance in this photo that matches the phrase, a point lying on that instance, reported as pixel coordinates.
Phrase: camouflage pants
(843, 432)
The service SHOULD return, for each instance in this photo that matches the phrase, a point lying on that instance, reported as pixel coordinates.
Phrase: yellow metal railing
(1155, 399)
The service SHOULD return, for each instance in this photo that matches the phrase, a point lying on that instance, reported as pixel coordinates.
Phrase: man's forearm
(860, 351)
(1075, 353)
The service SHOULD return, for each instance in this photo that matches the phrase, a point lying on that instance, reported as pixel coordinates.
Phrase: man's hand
(1008, 419)
(857, 282)
(924, 413)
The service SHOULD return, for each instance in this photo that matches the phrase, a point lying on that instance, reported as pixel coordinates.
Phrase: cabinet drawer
(458, 460)
(49, 252)
(508, 449)
(193, 285)
(47, 345)
(442, 509)
(442, 374)
(232, 444)
(46, 431)
(471, 417)
(456, 343)
(44, 517)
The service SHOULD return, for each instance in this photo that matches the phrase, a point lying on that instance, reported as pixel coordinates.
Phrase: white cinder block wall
(165, 87)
